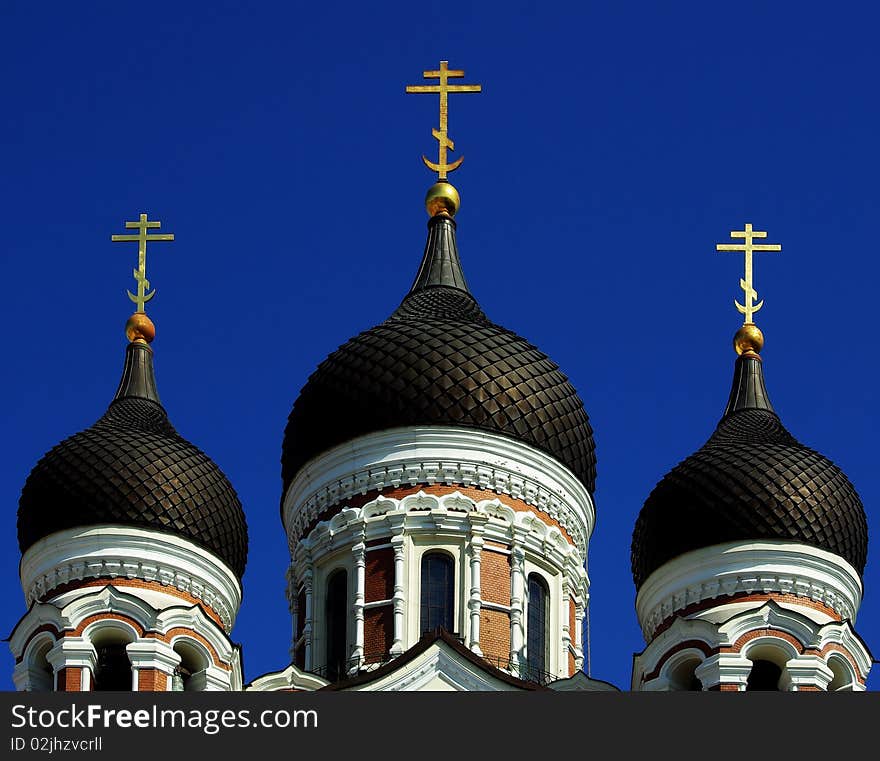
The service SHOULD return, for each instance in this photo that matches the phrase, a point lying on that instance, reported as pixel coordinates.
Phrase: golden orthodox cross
(746, 283)
(444, 88)
(140, 274)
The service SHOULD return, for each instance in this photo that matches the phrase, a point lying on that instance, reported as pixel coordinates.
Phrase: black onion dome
(133, 468)
(438, 360)
(751, 480)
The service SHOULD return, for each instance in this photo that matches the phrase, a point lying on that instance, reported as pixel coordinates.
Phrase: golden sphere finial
(748, 339)
(442, 198)
(140, 328)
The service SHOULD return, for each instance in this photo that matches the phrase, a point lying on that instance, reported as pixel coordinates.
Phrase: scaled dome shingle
(438, 360)
(751, 480)
(132, 467)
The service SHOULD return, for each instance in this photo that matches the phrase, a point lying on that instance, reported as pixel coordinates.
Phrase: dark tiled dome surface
(751, 480)
(438, 360)
(133, 468)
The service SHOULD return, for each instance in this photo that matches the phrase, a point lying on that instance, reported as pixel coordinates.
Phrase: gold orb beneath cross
(140, 328)
(442, 198)
(748, 339)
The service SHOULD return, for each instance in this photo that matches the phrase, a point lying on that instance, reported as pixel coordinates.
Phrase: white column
(399, 599)
(724, 668)
(308, 625)
(806, 671)
(475, 601)
(357, 656)
(293, 607)
(517, 598)
(151, 654)
(564, 627)
(579, 636)
(74, 652)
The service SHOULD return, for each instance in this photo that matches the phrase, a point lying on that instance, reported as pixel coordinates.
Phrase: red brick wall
(494, 578)
(151, 680)
(495, 633)
(379, 572)
(572, 632)
(70, 679)
(378, 631)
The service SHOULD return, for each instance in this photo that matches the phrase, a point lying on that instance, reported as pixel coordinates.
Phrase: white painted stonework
(764, 567)
(36, 650)
(844, 654)
(459, 526)
(127, 552)
(438, 455)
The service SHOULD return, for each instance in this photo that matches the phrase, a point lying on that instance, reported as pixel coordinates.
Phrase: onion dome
(751, 480)
(439, 360)
(133, 468)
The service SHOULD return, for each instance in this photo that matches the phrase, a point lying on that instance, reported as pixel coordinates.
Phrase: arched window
(763, 676)
(189, 675)
(336, 618)
(438, 592)
(537, 639)
(113, 669)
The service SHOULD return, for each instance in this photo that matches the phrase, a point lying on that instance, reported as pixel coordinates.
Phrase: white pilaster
(151, 654)
(359, 553)
(398, 543)
(475, 599)
(517, 599)
(74, 653)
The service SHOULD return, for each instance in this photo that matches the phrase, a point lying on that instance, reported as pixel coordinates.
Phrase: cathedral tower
(748, 556)
(438, 472)
(133, 547)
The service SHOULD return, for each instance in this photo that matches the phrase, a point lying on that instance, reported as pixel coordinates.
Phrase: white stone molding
(398, 542)
(807, 671)
(74, 653)
(290, 678)
(724, 668)
(438, 455)
(474, 600)
(127, 552)
(437, 669)
(417, 523)
(119, 607)
(517, 601)
(765, 567)
(359, 556)
(777, 624)
(152, 654)
(29, 674)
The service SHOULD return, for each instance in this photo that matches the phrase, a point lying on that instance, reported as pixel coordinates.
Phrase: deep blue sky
(613, 145)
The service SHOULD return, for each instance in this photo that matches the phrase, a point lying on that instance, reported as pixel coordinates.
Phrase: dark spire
(138, 377)
(748, 391)
(440, 263)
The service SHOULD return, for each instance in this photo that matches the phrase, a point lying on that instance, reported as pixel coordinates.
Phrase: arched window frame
(451, 594)
(111, 631)
(336, 662)
(538, 662)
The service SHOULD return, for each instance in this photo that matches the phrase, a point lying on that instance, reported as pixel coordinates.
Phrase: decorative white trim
(117, 551)
(438, 455)
(290, 678)
(764, 567)
(734, 667)
(439, 668)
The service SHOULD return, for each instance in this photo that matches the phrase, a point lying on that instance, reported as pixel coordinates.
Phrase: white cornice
(766, 567)
(438, 455)
(116, 551)
(451, 514)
